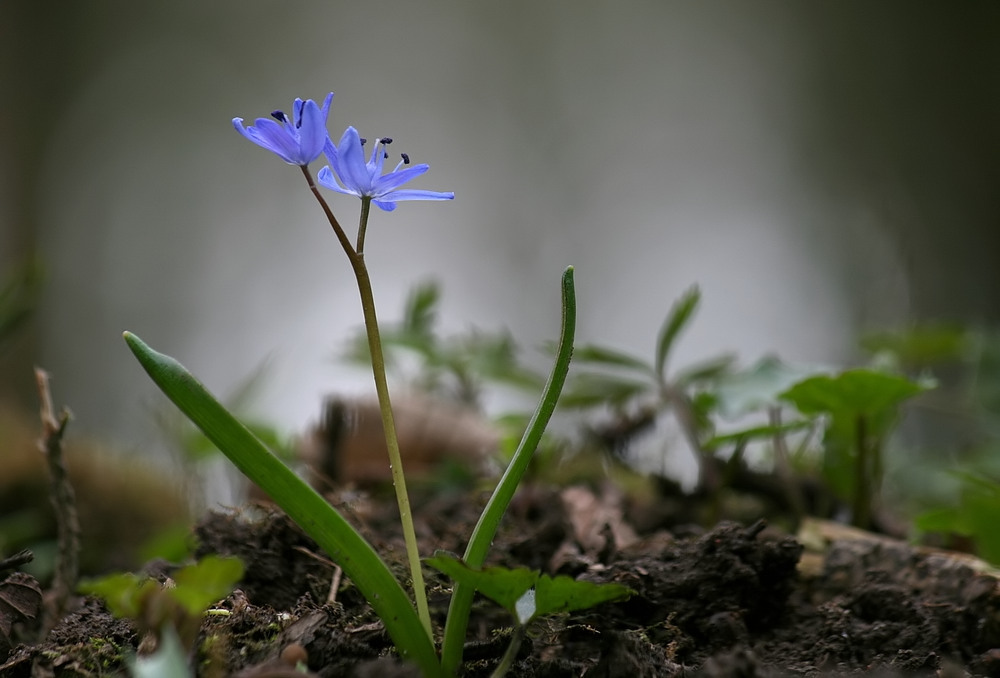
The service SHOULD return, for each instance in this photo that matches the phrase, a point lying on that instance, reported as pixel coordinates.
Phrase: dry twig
(63, 498)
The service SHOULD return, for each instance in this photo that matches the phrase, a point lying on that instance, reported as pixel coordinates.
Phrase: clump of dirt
(741, 600)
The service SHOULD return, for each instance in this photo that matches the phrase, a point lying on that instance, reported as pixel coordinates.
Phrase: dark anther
(385, 156)
(279, 116)
(386, 141)
(363, 141)
(405, 157)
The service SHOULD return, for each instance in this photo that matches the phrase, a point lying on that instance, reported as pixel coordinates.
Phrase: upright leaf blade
(486, 527)
(677, 319)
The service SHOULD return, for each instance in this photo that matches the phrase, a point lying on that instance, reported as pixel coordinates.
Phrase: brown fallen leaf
(20, 601)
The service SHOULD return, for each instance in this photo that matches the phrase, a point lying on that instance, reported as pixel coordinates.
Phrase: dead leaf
(20, 600)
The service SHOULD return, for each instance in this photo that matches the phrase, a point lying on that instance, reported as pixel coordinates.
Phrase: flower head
(298, 141)
(353, 176)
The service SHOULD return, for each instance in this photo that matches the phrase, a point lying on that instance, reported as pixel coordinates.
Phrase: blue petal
(385, 205)
(394, 180)
(329, 179)
(326, 106)
(350, 163)
(265, 138)
(276, 138)
(312, 132)
(416, 194)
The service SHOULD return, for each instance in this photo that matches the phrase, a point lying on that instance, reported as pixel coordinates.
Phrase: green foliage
(173, 608)
(637, 391)
(678, 318)
(862, 406)
(327, 526)
(974, 514)
(508, 587)
(526, 594)
(454, 367)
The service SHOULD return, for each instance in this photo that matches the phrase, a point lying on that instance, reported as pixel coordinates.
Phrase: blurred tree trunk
(902, 119)
(37, 67)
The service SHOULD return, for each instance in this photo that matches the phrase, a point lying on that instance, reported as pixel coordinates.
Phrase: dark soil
(736, 600)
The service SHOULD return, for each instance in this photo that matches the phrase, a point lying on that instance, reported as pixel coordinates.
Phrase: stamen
(386, 141)
(279, 116)
(405, 157)
(363, 141)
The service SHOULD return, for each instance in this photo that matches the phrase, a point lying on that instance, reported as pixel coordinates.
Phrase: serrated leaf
(502, 585)
(508, 588)
(565, 594)
(677, 319)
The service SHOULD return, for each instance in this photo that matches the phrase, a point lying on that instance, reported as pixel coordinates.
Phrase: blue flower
(353, 176)
(298, 141)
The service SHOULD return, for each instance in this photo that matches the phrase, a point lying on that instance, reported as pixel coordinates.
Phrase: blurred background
(817, 168)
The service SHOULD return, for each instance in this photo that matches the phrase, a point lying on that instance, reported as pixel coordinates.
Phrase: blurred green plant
(455, 367)
(178, 604)
(638, 391)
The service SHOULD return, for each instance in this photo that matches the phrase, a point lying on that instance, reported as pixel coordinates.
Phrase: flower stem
(356, 257)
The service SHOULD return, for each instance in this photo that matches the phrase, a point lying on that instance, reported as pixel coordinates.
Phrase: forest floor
(734, 600)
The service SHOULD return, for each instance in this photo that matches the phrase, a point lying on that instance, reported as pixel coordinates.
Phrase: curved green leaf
(482, 535)
(304, 505)
(677, 319)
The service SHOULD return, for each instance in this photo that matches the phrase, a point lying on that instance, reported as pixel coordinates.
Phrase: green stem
(511, 654)
(391, 441)
(482, 535)
(366, 205)
(356, 257)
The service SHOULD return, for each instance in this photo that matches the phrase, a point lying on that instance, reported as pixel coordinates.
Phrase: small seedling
(178, 605)
(527, 595)
(638, 391)
(862, 406)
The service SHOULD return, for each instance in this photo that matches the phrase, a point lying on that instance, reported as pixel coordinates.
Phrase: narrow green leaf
(304, 505)
(590, 389)
(420, 312)
(755, 433)
(706, 370)
(486, 527)
(600, 355)
(677, 319)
